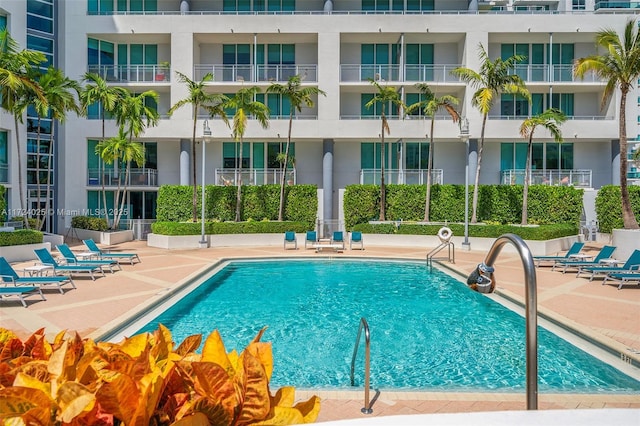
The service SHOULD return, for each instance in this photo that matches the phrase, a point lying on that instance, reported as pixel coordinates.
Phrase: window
(255, 154)
(4, 158)
(38, 161)
(3, 22)
(231, 155)
(376, 60)
(513, 105)
(43, 45)
(375, 110)
(416, 155)
(40, 15)
(578, 5)
(107, 7)
(547, 156)
(370, 155)
(419, 55)
(414, 98)
(279, 106)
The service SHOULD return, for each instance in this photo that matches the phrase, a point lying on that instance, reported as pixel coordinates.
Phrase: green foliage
(542, 232)
(174, 203)
(496, 204)
(20, 236)
(3, 204)
(301, 204)
(212, 228)
(90, 223)
(609, 207)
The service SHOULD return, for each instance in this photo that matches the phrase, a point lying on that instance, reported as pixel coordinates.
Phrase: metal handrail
(452, 252)
(367, 363)
(531, 309)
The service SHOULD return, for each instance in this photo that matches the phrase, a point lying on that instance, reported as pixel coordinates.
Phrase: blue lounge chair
(71, 259)
(311, 239)
(101, 254)
(356, 239)
(20, 292)
(574, 249)
(622, 278)
(290, 238)
(633, 262)
(338, 238)
(605, 253)
(10, 276)
(47, 259)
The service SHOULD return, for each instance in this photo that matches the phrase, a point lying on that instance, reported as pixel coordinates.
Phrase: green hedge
(211, 228)
(497, 204)
(90, 223)
(3, 204)
(21, 236)
(609, 207)
(541, 232)
(258, 203)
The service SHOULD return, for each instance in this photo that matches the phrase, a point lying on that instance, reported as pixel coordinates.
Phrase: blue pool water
(428, 330)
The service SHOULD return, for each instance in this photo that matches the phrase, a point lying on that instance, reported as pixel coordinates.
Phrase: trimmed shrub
(361, 204)
(212, 228)
(3, 204)
(90, 223)
(609, 207)
(175, 202)
(20, 237)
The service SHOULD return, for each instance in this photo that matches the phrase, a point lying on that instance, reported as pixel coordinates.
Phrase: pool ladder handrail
(452, 252)
(367, 363)
(531, 310)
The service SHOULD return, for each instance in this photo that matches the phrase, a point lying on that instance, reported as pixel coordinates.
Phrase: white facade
(330, 40)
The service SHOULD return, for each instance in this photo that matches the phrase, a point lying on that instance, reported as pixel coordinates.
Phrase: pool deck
(603, 313)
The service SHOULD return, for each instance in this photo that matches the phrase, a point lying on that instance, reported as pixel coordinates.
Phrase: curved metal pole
(531, 309)
(367, 361)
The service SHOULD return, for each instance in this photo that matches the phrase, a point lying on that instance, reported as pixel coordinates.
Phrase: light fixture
(379, 30)
(231, 30)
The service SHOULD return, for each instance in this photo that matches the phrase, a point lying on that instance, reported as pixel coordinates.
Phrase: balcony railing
(271, 73)
(4, 173)
(578, 178)
(408, 177)
(132, 73)
(229, 177)
(110, 177)
(546, 73)
(358, 72)
(617, 5)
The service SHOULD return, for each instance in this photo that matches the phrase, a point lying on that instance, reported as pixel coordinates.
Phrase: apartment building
(337, 46)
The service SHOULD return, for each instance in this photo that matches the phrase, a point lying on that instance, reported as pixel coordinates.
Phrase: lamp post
(206, 136)
(464, 135)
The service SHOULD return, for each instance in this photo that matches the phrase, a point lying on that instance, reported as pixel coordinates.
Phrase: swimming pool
(428, 330)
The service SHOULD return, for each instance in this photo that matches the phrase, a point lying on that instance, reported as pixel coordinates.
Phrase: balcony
(109, 177)
(413, 73)
(610, 6)
(132, 73)
(553, 73)
(577, 178)
(229, 177)
(259, 73)
(4, 173)
(407, 177)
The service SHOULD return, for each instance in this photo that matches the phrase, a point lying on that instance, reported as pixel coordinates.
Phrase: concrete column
(328, 6)
(327, 178)
(473, 160)
(615, 161)
(185, 161)
(184, 6)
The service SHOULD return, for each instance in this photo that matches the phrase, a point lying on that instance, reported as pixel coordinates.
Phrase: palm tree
(121, 149)
(59, 91)
(15, 84)
(244, 104)
(495, 77)
(385, 96)
(297, 96)
(551, 119)
(133, 115)
(620, 66)
(199, 98)
(430, 104)
(107, 97)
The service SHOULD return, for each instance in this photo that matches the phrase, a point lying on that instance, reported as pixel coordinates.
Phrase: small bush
(90, 223)
(20, 236)
(609, 207)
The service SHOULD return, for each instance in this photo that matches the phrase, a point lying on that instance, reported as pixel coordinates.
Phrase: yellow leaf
(309, 409)
(256, 401)
(18, 400)
(56, 360)
(212, 382)
(285, 397)
(74, 399)
(197, 419)
(120, 397)
(189, 344)
(262, 351)
(214, 351)
(134, 346)
(27, 381)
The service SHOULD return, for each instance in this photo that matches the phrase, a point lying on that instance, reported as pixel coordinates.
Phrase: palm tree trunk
(284, 171)
(427, 202)
(194, 201)
(37, 209)
(117, 215)
(20, 179)
(628, 218)
(383, 190)
(46, 200)
(474, 212)
(239, 183)
(525, 189)
(104, 190)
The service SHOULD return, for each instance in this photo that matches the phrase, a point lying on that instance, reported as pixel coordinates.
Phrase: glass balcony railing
(617, 5)
(271, 73)
(546, 73)
(229, 177)
(132, 73)
(407, 177)
(578, 178)
(110, 177)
